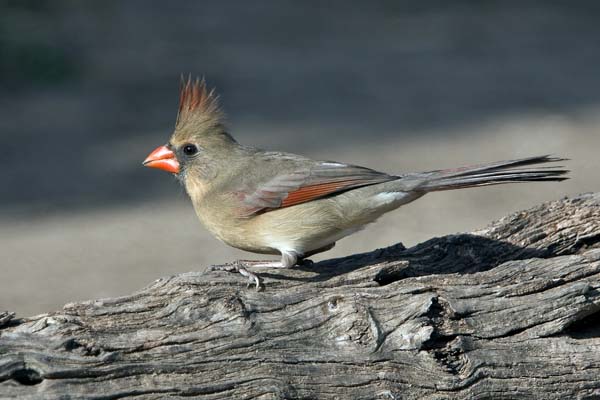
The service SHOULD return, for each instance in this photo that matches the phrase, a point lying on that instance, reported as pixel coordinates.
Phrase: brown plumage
(281, 203)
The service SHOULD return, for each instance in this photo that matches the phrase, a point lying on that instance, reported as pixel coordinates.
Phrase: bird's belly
(243, 237)
(302, 228)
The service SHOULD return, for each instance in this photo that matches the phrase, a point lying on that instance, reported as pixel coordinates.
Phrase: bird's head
(199, 142)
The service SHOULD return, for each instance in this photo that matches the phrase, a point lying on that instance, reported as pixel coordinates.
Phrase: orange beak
(162, 158)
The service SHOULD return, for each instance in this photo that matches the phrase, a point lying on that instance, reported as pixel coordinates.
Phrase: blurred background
(88, 89)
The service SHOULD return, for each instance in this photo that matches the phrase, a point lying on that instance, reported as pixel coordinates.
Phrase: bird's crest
(197, 104)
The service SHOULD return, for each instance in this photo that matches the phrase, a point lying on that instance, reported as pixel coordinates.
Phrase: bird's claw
(252, 279)
(238, 267)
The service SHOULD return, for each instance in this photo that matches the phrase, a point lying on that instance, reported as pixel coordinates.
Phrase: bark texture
(511, 311)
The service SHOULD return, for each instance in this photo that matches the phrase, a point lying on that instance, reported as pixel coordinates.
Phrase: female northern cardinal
(281, 203)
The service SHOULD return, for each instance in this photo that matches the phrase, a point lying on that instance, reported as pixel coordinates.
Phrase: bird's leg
(288, 260)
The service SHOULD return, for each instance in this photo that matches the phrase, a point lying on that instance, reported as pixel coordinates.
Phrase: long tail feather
(495, 173)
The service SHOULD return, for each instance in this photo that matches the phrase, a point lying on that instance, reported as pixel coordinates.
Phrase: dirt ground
(392, 88)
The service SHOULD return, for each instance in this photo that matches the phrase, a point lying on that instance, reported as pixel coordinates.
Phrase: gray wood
(511, 311)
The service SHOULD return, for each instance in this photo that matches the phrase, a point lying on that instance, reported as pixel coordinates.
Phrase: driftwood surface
(508, 312)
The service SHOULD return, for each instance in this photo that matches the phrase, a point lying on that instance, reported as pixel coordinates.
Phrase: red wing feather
(315, 191)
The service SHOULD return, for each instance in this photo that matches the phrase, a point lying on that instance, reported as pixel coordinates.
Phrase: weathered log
(511, 311)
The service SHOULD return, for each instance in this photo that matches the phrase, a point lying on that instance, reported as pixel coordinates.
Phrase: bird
(285, 204)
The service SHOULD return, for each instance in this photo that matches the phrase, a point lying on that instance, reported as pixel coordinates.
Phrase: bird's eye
(190, 149)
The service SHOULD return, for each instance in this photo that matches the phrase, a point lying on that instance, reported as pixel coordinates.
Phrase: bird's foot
(288, 260)
(240, 267)
(305, 262)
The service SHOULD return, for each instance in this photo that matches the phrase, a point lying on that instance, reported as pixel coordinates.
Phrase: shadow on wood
(511, 311)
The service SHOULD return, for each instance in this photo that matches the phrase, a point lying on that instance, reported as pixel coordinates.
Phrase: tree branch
(511, 311)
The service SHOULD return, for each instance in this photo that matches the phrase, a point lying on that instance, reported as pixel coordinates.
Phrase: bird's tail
(522, 170)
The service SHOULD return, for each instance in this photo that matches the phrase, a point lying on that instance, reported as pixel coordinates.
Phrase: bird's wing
(307, 183)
